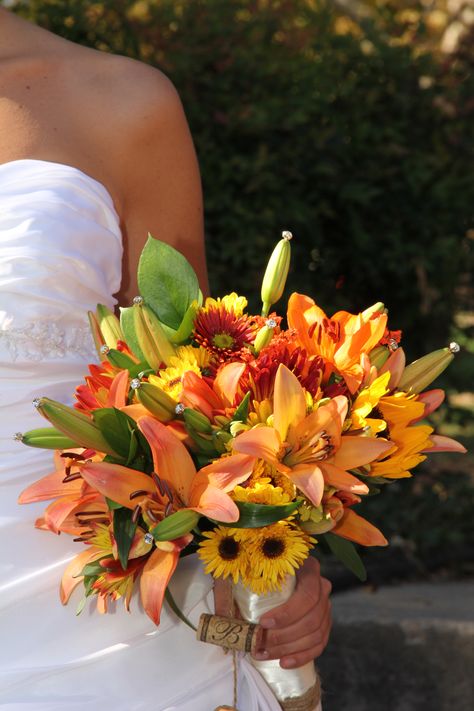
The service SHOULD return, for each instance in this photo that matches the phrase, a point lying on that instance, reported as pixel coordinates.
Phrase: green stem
(172, 603)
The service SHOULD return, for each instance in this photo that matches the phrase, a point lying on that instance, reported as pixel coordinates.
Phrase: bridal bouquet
(206, 428)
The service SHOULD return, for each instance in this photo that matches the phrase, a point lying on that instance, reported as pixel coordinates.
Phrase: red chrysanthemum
(223, 333)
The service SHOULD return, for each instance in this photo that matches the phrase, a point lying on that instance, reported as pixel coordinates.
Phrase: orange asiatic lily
(215, 399)
(342, 340)
(204, 491)
(71, 495)
(310, 449)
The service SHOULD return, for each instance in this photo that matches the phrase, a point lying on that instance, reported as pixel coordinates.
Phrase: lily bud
(83, 431)
(156, 401)
(421, 373)
(378, 308)
(175, 526)
(99, 341)
(197, 421)
(109, 326)
(47, 438)
(151, 337)
(378, 356)
(263, 337)
(276, 273)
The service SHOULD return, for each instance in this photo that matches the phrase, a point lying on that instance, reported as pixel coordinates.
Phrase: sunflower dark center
(377, 413)
(229, 548)
(273, 547)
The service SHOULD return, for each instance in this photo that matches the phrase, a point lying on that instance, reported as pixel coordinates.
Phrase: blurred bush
(335, 124)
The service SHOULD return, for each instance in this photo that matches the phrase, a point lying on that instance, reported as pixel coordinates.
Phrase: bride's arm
(160, 191)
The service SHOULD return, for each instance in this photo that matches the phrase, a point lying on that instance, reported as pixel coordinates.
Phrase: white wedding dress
(60, 255)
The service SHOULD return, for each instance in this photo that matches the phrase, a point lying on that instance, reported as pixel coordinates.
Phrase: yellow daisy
(399, 410)
(230, 302)
(365, 403)
(187, 358)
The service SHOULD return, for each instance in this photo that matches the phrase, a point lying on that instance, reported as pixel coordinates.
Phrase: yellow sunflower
(276, 551)
(224, 554)
(365, 403)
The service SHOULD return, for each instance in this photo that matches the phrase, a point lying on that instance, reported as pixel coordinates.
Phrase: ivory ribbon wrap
(296, 689)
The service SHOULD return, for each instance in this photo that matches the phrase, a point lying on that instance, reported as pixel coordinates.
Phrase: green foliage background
(357, 140)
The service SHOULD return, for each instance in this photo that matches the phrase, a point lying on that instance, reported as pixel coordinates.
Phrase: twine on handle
(307, 702)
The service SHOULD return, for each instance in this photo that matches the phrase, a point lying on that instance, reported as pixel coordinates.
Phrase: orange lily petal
(227, 472)
(356, 451)
(395, 365)
(57, 512)
(117, 482)
(71, 576)
(226, 383)
(289, 402)
(263, 442)
(135, 411)
(154, 580)
(198, 395)
(309, 479)
(50, 487)
(355, 528)
(118, 390)
(431, 399)
(342, 480)
(213, 502)
(445, 444)
(171, 459)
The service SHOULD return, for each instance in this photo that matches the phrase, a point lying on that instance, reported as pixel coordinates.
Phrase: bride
(95, 152)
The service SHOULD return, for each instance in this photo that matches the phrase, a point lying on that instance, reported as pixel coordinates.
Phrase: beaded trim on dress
(40, 341)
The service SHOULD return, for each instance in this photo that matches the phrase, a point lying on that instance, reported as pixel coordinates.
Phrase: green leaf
(133, 448)
(92, 569)
(186, 326)
(116, 428)
(128, 327)
(345, 552)
(177, 611)
(113, 505)
(258, 515)
(241, 413)
(167, 282)
(124, 531)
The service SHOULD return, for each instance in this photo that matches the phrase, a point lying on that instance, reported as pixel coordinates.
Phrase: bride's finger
(308, 635)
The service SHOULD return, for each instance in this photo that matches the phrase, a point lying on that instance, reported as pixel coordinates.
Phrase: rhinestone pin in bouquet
(206, 428)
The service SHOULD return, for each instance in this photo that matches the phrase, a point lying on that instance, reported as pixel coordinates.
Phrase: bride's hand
(298, 631)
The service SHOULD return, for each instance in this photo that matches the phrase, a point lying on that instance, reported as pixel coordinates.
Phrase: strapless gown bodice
(60, 255)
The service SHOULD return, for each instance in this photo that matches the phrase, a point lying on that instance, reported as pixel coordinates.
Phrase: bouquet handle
(295, 689)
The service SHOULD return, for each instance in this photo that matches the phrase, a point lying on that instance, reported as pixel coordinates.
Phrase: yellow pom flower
(262, 492)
